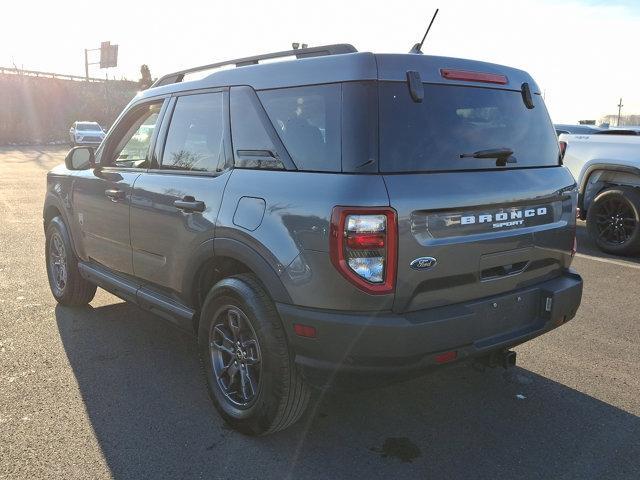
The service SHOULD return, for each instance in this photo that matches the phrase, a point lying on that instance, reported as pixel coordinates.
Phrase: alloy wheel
(615, 221)
(235, 356)
(58, 263)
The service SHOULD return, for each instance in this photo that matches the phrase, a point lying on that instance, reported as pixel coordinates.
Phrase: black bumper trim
(379, 342)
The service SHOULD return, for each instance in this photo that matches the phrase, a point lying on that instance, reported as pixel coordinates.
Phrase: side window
(308, 122)
(196, 136)
(253, 147)
(133, 148)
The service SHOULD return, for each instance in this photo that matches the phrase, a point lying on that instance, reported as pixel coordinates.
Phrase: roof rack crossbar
(336, 49)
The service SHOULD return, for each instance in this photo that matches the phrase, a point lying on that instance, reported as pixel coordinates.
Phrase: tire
(613, 220)
(253, 397)
(66, 284)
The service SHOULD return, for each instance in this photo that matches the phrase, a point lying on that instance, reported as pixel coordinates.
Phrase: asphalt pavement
(110, 391)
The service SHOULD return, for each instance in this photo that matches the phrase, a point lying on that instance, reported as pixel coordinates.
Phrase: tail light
(363, 247)
(563, 148)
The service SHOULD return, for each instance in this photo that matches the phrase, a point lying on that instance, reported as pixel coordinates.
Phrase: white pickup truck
(607, 170)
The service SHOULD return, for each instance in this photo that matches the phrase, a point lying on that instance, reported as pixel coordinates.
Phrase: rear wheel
(613, 220)
(252, 380)
(67, 285)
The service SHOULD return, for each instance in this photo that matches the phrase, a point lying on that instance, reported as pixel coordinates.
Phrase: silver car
(86, 133)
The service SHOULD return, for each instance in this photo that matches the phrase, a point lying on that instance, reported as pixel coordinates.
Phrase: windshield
(458, 120)
(86, 126)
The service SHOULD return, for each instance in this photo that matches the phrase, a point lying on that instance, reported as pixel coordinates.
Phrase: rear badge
(423, 263)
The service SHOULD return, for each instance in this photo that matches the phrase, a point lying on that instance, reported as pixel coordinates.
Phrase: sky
(582, 53)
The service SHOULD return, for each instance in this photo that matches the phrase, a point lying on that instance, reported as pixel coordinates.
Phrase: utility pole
(619, 110)
(86, 64)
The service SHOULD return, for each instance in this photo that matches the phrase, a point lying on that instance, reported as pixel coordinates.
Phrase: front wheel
(613, 220)
(67, 285)
(251, 377)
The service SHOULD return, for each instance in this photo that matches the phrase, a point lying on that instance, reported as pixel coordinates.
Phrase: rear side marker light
(466, 76)
(446, 357)
(305, 330)
(363, 247)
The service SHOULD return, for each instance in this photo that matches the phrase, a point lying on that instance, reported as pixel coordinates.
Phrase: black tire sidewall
(275, 359)
(632, 198)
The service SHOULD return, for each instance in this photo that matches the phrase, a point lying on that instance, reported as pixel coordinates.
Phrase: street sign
(108, 55)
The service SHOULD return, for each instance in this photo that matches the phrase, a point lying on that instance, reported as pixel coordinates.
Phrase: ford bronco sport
(339, 212)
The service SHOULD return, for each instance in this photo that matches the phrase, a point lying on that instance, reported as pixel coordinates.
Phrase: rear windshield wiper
(502, 155)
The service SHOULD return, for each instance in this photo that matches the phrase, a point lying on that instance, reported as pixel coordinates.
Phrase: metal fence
(33, 73)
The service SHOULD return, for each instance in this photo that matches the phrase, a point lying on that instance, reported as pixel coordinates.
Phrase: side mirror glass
(80, 158)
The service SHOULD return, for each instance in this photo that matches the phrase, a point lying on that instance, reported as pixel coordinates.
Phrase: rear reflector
(305, 330)
(446, 357)
(466, 76)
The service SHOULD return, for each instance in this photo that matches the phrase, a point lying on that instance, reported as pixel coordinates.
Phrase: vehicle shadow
(145, 397)
(587, 246)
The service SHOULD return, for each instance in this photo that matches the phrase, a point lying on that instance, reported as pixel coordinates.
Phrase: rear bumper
(386, 342)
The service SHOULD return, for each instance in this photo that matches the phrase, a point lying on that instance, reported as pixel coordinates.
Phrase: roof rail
(336, 49)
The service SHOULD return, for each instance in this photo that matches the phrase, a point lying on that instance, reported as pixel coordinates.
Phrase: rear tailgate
(471, 164)
(488, 231)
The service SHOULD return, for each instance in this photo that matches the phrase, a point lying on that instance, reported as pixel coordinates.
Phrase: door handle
(189, 204)
(114, 194)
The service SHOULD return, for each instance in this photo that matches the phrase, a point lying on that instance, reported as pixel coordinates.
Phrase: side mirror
(80, 158)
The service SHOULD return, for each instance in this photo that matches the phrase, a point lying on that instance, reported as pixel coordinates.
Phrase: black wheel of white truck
(67, 285)
(613, 220)
(251, 377)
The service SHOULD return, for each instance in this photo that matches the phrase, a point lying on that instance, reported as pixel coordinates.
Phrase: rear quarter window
(456, 120)
(307, 119)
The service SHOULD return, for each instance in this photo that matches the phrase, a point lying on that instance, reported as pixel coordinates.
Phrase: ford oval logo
(423, 263)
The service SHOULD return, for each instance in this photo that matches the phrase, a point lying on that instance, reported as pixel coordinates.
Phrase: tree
(145, 81)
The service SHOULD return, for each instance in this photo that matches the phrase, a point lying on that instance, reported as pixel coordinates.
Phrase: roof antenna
(417, 48)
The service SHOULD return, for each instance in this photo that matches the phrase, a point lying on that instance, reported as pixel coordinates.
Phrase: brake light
(365, 241)
(563, 148)
(363, 247)
(466, 76)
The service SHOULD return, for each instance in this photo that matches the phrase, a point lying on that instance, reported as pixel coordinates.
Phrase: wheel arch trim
(237, 250)
(213, 249)
(594, 167)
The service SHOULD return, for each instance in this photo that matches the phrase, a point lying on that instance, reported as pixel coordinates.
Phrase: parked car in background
(607, 169)
(564, 128)
(343, 213)
(86, 133)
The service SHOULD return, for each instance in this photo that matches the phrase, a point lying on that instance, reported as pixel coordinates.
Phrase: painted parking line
(608, 260)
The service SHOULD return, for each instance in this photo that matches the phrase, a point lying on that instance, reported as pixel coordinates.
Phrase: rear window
(87, 126)
(456, 120)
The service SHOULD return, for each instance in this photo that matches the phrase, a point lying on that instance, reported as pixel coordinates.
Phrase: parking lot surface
(110, 391)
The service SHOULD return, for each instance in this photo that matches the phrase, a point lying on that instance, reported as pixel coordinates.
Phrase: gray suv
(337, 214)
